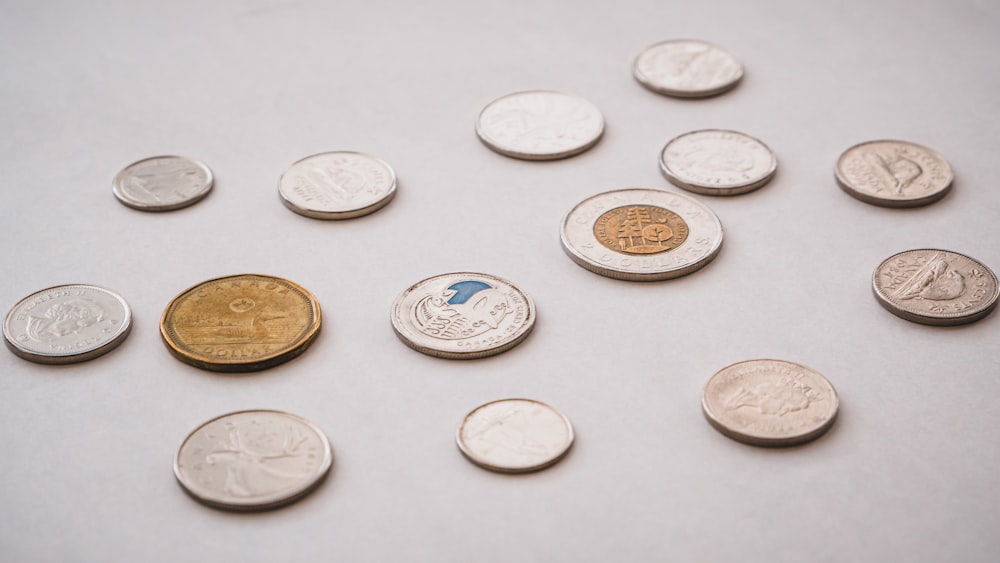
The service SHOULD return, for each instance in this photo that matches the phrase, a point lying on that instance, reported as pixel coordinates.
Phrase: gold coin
(238, 323)
(640, 229)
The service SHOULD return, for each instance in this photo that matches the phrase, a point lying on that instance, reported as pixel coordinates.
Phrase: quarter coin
(717, 162)
(894, 174)
(540, 125)
(687, 68)
(515, 436)
(163, 183)
(337, 185)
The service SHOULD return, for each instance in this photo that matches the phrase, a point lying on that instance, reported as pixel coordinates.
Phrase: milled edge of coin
(326, 465)
(350, 213)
(121, 196)
(718, 189)
(647, 83)
(516, 470)
(893, 203)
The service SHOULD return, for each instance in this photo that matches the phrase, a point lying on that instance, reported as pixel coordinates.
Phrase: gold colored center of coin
(640, 229)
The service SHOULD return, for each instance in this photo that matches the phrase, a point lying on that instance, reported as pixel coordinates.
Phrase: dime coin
(240, 323)
(687, 68)
(162, 183)
(67, 324)
(717, 162)
(894, 174)
(253, 460)
(515, 436)
(540, 125)
(770, 403)
(463, 315)
(337, 185)
(641, 234)
(935, 287)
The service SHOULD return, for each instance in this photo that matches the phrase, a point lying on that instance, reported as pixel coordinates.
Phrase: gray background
(909, 472)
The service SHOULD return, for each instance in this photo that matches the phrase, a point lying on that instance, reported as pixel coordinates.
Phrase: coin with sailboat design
(337, 185)
(540, 125)
(894, 174)
(163, 183)
(515, 436)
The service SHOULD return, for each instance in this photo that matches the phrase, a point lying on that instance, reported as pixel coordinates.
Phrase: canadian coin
(515, 436)
(717, 162)
(246, 322)
(337, 185)
(641, 234)
(162, 183)
(770, 403)
(935, 287)
(463, 315)
(253, 460)
(67, 324)
(687, 68)
(540, 125)
(894, 174)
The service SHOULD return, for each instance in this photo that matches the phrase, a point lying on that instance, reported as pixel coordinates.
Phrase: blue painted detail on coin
(466, 289)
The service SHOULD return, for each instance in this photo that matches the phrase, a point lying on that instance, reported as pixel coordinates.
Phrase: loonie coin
(253, 460)
(770, 403)
(67, 324)
(515, 436)
(935, 287)
(162, 183)
(540, 125)
(247, 322)
(641, 234)
(687, 68)
(463, 315)
(337, 185)
(717, 162)
(894, 174)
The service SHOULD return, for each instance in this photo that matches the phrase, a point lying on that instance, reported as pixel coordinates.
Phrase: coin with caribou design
(540, 125)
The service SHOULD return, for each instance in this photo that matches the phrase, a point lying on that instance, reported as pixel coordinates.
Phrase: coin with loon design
(515, 436)
(540, 125)
(687, 68)
(163, 183)
(337, 185)
(894, 174)
(717, 162)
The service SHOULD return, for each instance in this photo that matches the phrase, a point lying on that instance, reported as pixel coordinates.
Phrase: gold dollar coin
(239, 323)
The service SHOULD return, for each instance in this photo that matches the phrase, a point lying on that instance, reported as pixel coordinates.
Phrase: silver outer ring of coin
(702, 245)
(823, 421)
(954, 311)
(678, 175)
(461, 349)
(267, 502)
(943, 178)
(383, 195)
(490, 139)
(97, 339)
(470, 454)
(118, 187)
(704, 91)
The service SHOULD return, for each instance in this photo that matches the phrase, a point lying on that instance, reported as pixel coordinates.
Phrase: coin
(246, 322)
(540, 125)
(687, 68)
(894, 174)
(515, 436)
(253, 460)
(67, 324)
(717, 162)
(935, 287)
(337, 185)
(463, 315)
(770, 403)
(162, 183)
(641, 234)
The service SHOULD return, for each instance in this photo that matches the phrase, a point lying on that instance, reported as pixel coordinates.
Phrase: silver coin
(463, 315)
(935, 287)
(717, 162)
(894, 174)
(641, 234)
(770, 403)
(515, 436)
(687, 68)
(337, 185)
(253, 460)
(67, 324)
(540, 125)
(163, 183)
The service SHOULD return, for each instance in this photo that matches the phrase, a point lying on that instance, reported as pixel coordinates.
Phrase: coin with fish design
(515, 436)
(540, 125)
(337, 185)
(894, 174)
(163, 183)
(687, 68)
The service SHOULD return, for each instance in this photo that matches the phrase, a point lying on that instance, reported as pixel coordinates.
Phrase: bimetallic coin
(515, 436)
(717, 162)
(641, 234)
(687, 68)
(67, 324)
(337, 185)
(463, 315)
(935, 287)
(163, 183)
(540, 125)
(240, 323)
(253, 460)
(770, 403)
(894, 174)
